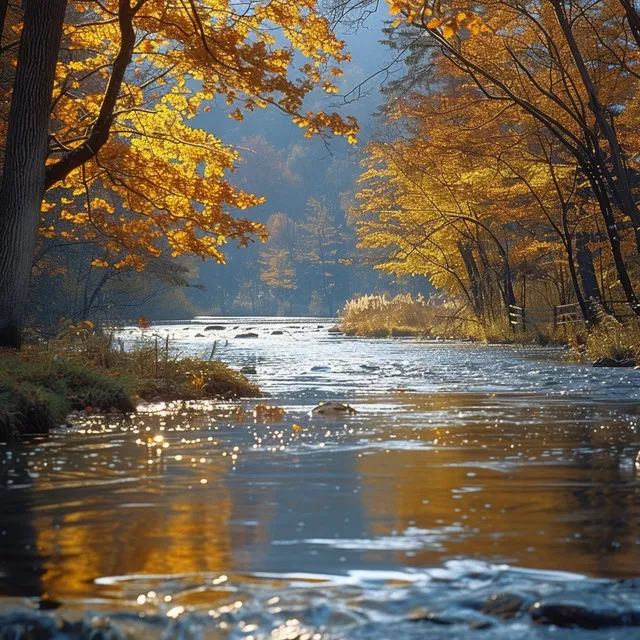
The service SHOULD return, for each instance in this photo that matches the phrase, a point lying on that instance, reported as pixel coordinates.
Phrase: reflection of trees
(529, 508)
(607, 497)
(20, 564)
(153, 525)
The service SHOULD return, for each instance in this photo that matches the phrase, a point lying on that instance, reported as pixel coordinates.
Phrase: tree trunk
(587, 271)
(621, 188)
(23, 178)
(633, 18)
(473, 273)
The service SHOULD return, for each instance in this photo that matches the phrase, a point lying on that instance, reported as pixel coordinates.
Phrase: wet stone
(246, 335)
(215, 327)
(506, 605)
(420, 615)
(612, 362)
(577, 614)
(333, 409)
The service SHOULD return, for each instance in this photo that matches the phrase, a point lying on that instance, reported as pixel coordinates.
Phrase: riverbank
(611, 343)
(87, 370)
(404, 316)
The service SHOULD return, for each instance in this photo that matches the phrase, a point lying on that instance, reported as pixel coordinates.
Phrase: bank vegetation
(84, 369)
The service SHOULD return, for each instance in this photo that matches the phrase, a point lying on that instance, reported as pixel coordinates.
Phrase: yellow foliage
(157, 180)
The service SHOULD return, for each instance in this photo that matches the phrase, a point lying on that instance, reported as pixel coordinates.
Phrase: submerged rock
(215, 327)
(320, 368)
(277, 332)
(506, 605)
(332, 409)
(248, 370)
(246, 335)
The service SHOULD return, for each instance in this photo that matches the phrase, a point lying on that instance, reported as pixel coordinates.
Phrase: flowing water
(479, 491)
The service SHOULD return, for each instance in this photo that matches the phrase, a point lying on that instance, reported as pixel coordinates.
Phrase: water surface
(468, 471)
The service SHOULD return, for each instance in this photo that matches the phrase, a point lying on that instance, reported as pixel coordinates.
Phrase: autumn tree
(279, 274)
(323, 240)
(114, 146)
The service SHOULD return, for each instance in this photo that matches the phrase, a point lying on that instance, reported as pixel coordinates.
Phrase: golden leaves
(160, 184)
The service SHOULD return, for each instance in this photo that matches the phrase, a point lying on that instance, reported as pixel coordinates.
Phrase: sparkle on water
(468, 470)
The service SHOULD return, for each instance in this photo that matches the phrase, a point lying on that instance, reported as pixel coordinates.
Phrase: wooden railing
(564, 314)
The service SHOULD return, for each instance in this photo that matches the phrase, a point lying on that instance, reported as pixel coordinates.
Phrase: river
(477, 490)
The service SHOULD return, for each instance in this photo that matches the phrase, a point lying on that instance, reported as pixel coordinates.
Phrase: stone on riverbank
(613, 362)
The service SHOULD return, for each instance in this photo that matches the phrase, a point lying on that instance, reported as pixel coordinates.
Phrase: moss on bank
(37, 394)
(42, 385)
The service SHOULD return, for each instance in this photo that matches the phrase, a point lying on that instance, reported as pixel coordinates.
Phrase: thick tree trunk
(23, 178)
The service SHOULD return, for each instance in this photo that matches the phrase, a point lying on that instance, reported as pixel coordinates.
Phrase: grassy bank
(381, 317)
(83, 369)
(610, 343)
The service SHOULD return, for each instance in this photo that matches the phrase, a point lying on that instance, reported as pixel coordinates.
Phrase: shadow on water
(448, 479)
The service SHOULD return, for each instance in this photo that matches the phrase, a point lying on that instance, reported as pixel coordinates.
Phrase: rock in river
(332, 409)
(247, 335)
(215, 327)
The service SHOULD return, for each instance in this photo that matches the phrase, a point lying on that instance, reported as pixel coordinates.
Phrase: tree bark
(473, 273)
(633, 18)
(23, 177)
(587, 272)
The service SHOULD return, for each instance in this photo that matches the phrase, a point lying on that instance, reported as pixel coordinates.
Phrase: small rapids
(479, 491)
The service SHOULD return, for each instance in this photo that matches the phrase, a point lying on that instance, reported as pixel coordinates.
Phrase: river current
(479, 491)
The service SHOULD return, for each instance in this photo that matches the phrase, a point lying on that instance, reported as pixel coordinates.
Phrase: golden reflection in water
(488, 491)
(149, 525)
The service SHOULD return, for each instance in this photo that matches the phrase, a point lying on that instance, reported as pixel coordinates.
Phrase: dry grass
(379, 316)
(611, 339)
